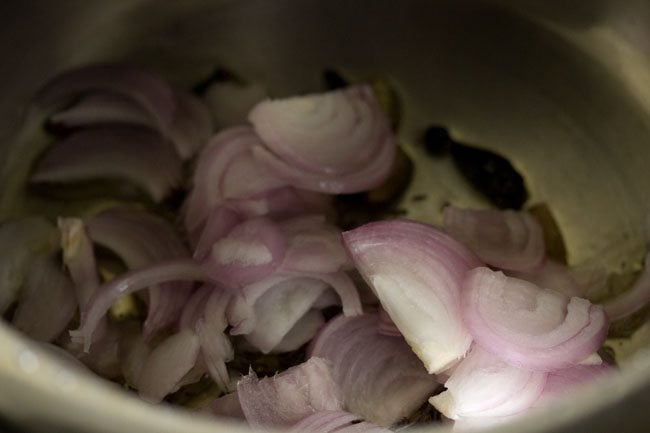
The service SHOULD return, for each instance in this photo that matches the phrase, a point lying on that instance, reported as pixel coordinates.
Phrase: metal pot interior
(561, 91)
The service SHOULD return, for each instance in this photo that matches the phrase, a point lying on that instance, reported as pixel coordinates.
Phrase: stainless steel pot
(561, 88)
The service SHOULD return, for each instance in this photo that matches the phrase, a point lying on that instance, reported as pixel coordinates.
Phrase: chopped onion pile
(253, 266)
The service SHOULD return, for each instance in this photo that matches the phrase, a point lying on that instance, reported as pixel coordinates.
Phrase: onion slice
(381, 378)
(279, 310)
(117, 152)
(173, 270)
(145, 89)
(223, 171)
(251, 251)
(141, 239)
(416, 272)
(215, 345)
(555, 276)
(534, 328)
(167, 364)
(301, 333)
(563, 382)
(290, 396)
(47, 303)
(101, 108)
(504, 239)
(313, 245)
(483, 385)
(79, 258)
(336, 142)
(334, 133)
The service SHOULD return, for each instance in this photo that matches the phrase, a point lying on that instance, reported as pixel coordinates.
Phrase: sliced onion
(229, 101)
(228, 406)
(102, 108)
(215, 345)
(416, 272)
(386, 325)
(290, 396)
(302, 332)
(563, 382)
(79, 258)
(335, 142)
(634, 299)
(364, 179)
(133, 353)
(381, 378)
(504, 239)
(167, 364)
(483, 385)
(145, 89)
(22, 239)
(313, 245)
(195, 306)
(334, 133)
(174, 270)
(251, 251)
(280, 309)
(335, 421)
(105, 356)
(221, 220)
(241, 313)
(555, 276)
(47, 302)
(117, 152)
(141, 239)
(223, 171)
(527, 326)
(189, 129)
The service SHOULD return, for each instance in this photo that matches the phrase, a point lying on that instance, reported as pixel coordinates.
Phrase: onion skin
(533, 328)
(416, 271)
(290, 396)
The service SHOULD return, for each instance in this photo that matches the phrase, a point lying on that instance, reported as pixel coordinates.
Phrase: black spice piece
(437, 141)
(488, 172)
(491, 174)
(333, 80)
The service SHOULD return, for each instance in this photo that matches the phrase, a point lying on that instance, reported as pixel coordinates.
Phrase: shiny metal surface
(562, 89)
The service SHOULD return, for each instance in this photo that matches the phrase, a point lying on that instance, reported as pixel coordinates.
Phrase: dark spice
(492, 175)
(332, 80)
(437, 141)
